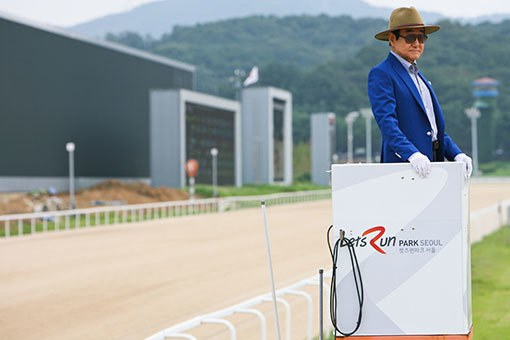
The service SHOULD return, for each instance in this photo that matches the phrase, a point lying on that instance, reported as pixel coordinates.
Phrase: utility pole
(214, 154)
(236, 80)
(349, 119)
(70, 147)
(367, 114)
(474, 114)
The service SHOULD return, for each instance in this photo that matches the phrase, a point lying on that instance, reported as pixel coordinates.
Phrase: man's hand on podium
(421, 164)
(468, 164)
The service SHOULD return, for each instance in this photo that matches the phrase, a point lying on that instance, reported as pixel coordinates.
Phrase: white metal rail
(486, 221)
(179, 331)
(22, 224)
(483, 222)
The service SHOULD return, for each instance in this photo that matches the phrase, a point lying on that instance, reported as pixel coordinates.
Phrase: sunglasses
(410, 38)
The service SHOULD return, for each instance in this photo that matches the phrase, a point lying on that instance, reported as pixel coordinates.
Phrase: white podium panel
(411, 237)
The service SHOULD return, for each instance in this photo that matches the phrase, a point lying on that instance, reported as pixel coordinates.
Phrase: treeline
(217, 49)
(324, 61)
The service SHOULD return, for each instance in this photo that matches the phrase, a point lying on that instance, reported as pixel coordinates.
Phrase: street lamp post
(236, 80)
(367, 114)
(474, 114)
(191, 170)
(334, 158)
(214, 154)
(70, 147)
(349, 119)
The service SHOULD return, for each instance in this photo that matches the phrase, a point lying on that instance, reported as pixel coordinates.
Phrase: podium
(411, 237)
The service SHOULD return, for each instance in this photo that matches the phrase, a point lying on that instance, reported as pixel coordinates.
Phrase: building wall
(169, 133)
(322, 135)
(257, 132)
(258, 104)
(55, 88)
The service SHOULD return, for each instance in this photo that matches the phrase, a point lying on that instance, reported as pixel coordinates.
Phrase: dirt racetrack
(130, 281)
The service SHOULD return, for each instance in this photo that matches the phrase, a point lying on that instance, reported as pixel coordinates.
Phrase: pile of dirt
(130, 193)
(15, 203)
(111, 192)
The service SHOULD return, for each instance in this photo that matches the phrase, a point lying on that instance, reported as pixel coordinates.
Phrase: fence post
(223, 322)
(321, 303)
(179, 336)
(310, 309)
(263, 323)
(288, 315)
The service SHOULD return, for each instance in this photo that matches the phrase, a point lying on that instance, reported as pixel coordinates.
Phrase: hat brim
(428, 30)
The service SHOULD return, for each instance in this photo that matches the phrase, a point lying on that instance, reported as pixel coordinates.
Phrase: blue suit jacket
(401, 115)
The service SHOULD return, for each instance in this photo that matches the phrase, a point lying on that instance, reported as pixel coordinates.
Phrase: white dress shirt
(426, 98)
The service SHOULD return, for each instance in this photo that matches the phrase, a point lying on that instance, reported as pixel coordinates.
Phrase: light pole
(70, 147)
(349, 119)
(334, 158)
(367, 114)
(236, 80)
(214, 154)
(474, 114)
(191, 170)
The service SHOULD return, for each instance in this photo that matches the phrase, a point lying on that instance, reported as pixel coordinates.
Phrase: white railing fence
(23, 224)
(483, 222)
(181, 331)
(486, 221)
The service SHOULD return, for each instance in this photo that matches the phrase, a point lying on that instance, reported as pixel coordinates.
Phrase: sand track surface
(130, 281)
(133, 280)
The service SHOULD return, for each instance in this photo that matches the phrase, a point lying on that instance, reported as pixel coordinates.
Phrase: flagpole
(252, 78)
(237, 82)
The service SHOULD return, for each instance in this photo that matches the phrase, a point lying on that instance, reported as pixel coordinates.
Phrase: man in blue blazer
(404, 103)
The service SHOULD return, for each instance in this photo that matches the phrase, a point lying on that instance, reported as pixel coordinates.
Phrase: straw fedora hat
(404, 17)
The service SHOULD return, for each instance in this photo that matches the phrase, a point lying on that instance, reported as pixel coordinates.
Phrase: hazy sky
(70, 12)
(67, 12)
(451, 8)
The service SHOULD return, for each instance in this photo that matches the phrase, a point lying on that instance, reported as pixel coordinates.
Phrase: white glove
(421, 164)
(468, 164)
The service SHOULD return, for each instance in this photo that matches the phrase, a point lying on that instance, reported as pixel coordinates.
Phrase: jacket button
(429, 133)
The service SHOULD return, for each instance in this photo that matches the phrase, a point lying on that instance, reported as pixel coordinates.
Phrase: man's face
(409, 52)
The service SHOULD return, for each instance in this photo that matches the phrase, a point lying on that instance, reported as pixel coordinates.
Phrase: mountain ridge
(157, 18)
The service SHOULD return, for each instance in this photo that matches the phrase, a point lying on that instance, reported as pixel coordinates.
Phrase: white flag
(253, 77)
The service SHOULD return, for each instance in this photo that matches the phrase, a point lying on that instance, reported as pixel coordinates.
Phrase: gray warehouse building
(323, 140)
(187, 124)
(267, 135)
(132, 116)
(56, 88)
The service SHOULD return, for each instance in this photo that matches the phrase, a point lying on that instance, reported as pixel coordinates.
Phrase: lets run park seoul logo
(377, 240)
(373, 235)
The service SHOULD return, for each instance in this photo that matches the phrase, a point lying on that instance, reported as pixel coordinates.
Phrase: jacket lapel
(437, 109)
(404, 75)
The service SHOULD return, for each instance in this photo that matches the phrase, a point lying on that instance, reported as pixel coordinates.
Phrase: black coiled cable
(341, 242)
